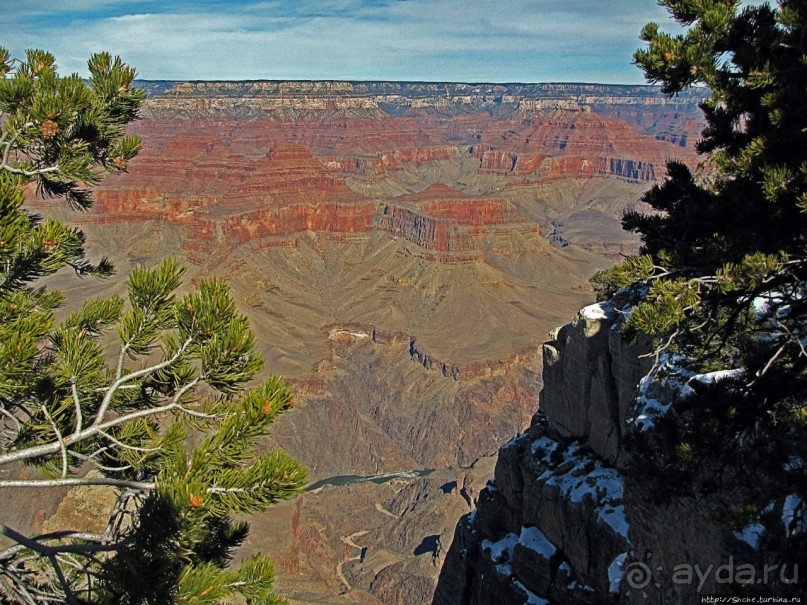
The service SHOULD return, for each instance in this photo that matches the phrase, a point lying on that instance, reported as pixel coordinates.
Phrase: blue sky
(429, 40)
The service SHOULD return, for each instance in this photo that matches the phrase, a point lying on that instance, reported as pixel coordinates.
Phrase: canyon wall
(563, 521)
(371, 128)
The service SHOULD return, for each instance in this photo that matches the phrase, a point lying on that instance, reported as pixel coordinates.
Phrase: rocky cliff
(562, 521)
(454, 225)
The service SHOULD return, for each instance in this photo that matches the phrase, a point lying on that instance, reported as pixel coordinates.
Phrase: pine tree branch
(96, 429)
(123, 350)
(30, 173)
(52, 448)
(227, 490)
(77, 404)
(75, 481)
(59, 438)
(121, 359)
(5, 165)
(10, 142)
(105, 403)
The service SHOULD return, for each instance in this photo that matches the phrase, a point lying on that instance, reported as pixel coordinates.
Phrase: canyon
(402, 250)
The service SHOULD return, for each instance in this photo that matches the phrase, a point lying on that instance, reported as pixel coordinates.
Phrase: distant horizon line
(380, 81)
(655, 87)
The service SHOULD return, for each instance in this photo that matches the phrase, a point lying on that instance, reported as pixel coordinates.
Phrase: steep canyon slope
(401, 250)
(564, 520)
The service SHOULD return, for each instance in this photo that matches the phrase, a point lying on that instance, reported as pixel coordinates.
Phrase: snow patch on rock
(534, 539)
(579, 476)
(532, 598)
(616, 571)
(598, 311)
(751, 534)
(793, 515)
(501, 553)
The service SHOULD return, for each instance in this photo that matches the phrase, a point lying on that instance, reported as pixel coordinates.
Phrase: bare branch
(125, 446)
(73, 481)
(77, 404)
(109, 469)
(102, 544)
(196, 414)
(10, 433)
(59, 438)
(133, 376)
(15, 586)
(659, 350)
(11, 417)
(65, 585)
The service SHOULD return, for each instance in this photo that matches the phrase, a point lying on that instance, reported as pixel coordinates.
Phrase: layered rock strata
(454, 225)
(541, 130)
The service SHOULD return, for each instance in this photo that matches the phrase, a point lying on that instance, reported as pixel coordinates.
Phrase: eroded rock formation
(562, 521)
(446, 221)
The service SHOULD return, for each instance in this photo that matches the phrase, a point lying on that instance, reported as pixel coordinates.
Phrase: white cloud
(494, 40)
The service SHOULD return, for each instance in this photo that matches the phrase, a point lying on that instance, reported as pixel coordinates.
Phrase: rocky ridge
(561, 521)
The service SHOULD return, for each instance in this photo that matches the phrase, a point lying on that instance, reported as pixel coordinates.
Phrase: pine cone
(48, 129)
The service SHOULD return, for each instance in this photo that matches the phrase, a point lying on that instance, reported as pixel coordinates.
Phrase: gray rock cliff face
(560, 522)
(591, 375)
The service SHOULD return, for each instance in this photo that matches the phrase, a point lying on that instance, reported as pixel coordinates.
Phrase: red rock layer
(228, 198)
(515, 140)
(562, 143)
(397, 159)
(345, 143)
(317, 217)
(216, 176)
(443, 220)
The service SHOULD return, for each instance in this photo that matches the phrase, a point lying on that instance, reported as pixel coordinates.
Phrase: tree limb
(133, 376)
(36, 545)
(74, 481)
(77, 403)
(98, 427)
(59, 438)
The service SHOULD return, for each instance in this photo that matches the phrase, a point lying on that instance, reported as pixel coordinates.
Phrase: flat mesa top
(412, 89)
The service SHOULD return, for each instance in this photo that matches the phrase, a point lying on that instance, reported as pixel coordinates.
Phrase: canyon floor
(401, 251)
